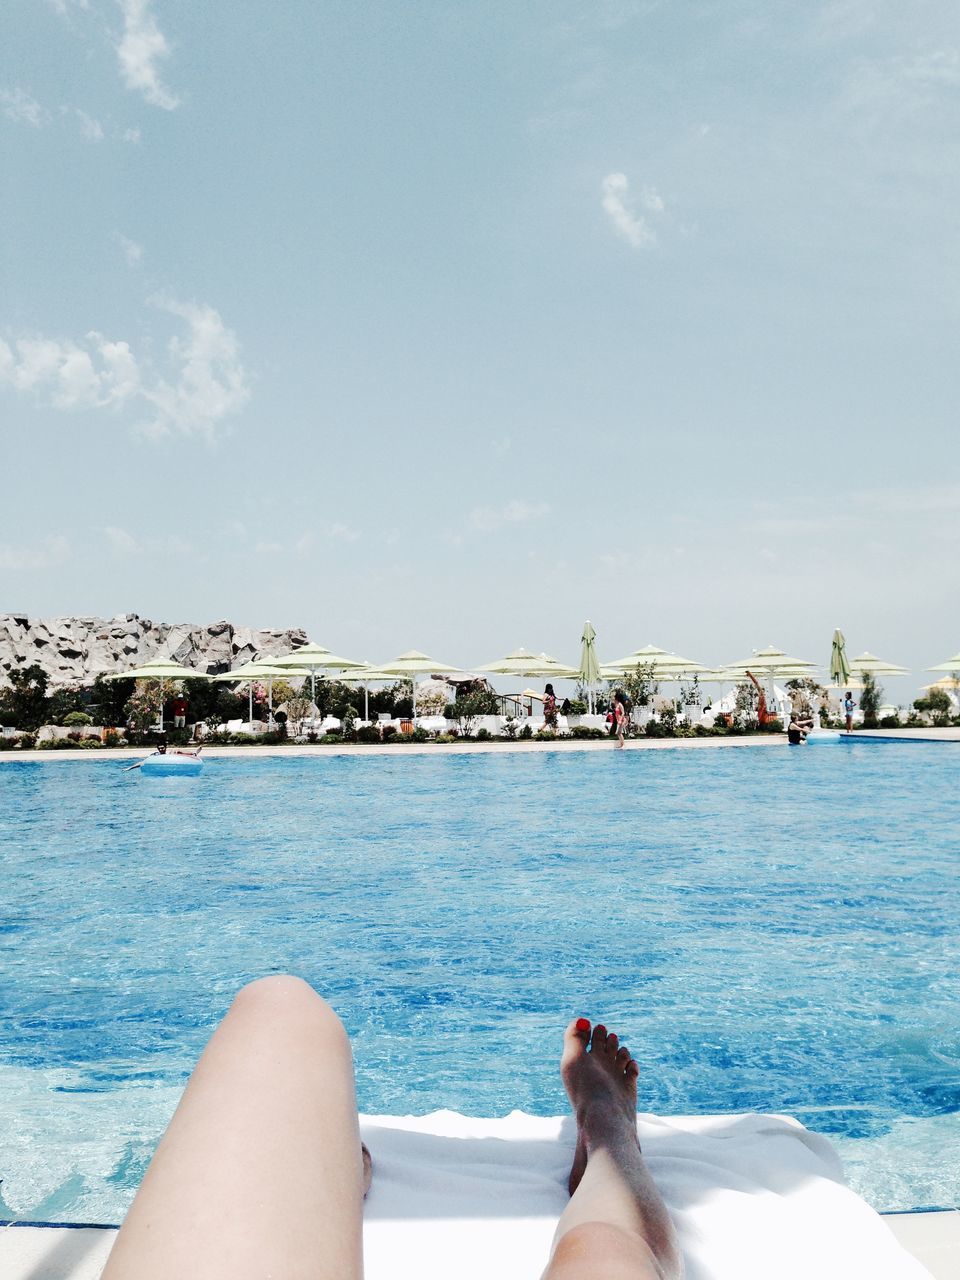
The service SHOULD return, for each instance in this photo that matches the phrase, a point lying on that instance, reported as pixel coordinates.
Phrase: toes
(631, 1071)
(575, 1040)
(613, 1041)
(598, 1041)
(623, 1057)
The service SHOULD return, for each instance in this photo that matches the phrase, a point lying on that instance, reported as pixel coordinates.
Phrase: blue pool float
(171, 765)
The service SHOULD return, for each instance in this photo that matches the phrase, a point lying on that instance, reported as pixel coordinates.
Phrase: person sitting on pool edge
(261, 1171)
(798, 729)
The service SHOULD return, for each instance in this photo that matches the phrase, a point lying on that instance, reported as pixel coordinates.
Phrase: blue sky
(448, 326)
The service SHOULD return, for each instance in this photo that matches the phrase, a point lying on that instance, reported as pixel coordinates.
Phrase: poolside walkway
(79, 1253)
(414, 748)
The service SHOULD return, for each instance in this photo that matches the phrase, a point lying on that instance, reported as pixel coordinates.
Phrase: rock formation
(76, 650)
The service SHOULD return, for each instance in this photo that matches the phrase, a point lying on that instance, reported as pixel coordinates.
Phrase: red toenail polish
(583, 1024)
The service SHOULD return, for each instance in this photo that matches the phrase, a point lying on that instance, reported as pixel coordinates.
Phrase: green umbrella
(316, 658)
(159, 669)
(253, 672)
(839, 667)
(589, 666)
(414, 663)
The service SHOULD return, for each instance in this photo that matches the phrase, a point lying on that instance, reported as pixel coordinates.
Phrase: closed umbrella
(589, 666)
(839, 667)
(413, 663)
(159, 669)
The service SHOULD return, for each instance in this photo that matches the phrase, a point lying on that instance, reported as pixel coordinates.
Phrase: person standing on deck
(848, 707)
(549, 708)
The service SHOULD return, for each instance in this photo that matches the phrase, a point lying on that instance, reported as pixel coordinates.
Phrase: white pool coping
(79, 1253)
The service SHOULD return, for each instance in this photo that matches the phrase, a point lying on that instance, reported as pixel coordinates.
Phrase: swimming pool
(771, 929)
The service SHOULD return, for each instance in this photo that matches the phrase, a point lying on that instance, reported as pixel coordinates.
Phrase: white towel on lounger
(754, 1197)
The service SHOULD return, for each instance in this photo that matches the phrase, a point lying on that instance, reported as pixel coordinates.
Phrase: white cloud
(120, 540)
(211, 382)
(68, 373)
(30, 559)
(489, 519)
(132, 251)
(621, 209)
(140, 48)
(91, 129)
(19, 106)
(208, 382)
(131, 135)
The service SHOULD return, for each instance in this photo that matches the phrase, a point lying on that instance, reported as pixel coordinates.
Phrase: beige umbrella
(159, 669)
(659, 659)
(866, 663)
(254, 672)
(523, 663)
(951, 664)
(413, 663)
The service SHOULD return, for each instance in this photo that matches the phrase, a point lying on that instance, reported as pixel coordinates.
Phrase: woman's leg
(616, 1224)
(260, 1171)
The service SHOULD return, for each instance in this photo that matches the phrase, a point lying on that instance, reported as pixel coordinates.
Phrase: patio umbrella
(523, 663)
(589, 666)
(253, 672)
(413, 663)
(868, 663)
(366, 675)
(159, 669)
(951, 664)
(661, 661)
(839, 667)
(774, 664)
(315, 658)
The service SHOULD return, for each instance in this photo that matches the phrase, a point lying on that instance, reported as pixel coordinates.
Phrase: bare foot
(367, 1168)
(600, 1078)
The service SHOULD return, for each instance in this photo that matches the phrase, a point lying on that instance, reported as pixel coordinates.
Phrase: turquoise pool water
(771, 929)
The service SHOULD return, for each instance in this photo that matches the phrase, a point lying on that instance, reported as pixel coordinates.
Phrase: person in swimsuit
(261, 1171)
(797, 730)
(848, 709)
(619, 717)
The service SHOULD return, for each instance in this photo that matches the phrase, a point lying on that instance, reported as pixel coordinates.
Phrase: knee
(612, 1250)
(282, 998)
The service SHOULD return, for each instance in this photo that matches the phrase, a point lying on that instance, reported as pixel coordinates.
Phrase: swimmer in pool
(261, 1171)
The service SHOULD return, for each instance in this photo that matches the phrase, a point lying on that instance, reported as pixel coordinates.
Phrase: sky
(451, 325)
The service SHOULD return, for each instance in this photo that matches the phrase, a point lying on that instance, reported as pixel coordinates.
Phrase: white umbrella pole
(413, 686)
(366, 701)
(270, 698)
(161, 706)
(250, 691)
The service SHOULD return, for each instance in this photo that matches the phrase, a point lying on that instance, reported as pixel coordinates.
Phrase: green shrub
(112, 738)
(368, 734)
(577, 707)
(484, 735)
(8, 744)
(447, 737)
(331, 738)
(76, 717)
(526, 732)
(585, 731)
(890, 722)
(546, 735)
(234, 739)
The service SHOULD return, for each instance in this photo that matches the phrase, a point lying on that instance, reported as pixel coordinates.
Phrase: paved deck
(79, 1253)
